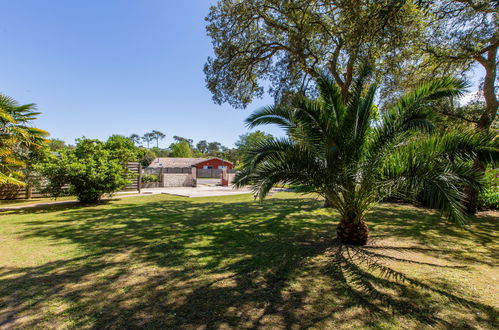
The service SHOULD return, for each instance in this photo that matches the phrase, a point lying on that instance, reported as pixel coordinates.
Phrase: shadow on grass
(189, 264)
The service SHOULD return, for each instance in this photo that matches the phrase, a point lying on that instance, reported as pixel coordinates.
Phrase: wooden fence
(136, 169)
(19, 192)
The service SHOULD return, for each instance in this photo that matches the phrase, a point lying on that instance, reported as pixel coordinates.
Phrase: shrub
(89, 170)
(489, 197)
(150, 178)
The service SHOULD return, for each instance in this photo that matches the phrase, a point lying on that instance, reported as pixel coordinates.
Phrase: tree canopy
(249, 141)
(123, 149)
(464, 33)
(181, 149)
(285, 43)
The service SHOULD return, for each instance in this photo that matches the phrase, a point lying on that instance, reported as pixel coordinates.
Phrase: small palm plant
(340, 151)
(16, 138)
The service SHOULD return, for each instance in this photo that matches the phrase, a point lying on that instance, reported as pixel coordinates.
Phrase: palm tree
(17, 138)
(158, 136)
(338, 150)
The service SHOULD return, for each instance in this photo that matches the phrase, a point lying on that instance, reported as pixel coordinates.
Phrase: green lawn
(20, 202)
(41, 200)
(229, 262)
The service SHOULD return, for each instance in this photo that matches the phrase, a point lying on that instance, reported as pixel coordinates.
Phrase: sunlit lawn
(229, 262)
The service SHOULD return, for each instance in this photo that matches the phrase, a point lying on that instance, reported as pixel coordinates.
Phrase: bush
(89, 170)
(150, 178)
(489, 197)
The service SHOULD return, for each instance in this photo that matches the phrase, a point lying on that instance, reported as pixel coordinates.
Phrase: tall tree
(214, 148)
(334, 149)
(202, 146)
(17, 138)
(158, 136)
(135, 138)
(287, 42)
(147, 138)
(466, 32)
(180, 139)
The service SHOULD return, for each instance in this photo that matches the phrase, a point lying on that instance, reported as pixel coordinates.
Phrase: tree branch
(455, 115)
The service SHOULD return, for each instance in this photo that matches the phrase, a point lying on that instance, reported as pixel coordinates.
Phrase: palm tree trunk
(352, 232)
(489, 63)
(471, 201)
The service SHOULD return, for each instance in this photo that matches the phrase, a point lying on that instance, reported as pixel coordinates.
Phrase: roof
(207, 159)
(175, 162)
(180, 162)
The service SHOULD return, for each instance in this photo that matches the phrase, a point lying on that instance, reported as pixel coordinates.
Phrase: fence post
(139, 184)
(29, 191)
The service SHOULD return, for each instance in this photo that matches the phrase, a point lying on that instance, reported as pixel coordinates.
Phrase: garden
(374, 207)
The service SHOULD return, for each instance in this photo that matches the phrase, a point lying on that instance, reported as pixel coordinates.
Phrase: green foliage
(249, 141)
(489, 196)
(160, 152)
(147, 157)
(334, 148)
(181, 139)
(461, 31)
(181, 149)
(459, 35)
(202, 146)
(57, 145)
(150, 178)
(18, 139)
(214, 148)
(287, 42)
(123, 149)
(90, 170)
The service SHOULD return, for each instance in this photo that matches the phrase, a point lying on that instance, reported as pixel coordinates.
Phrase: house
(200, 163)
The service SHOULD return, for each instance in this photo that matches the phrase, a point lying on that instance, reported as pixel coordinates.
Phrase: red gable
(214, 163)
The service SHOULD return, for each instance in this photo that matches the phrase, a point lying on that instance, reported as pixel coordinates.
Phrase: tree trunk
(351, 232)
(486, 119)
(471, 202)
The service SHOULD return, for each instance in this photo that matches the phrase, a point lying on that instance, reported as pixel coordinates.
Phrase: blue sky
(97, 68)
(102, 67)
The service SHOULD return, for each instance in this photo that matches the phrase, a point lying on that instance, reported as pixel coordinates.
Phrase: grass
(40, 200)
(229, 262)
